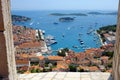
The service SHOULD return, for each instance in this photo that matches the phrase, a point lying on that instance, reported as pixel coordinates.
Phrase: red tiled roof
(41, 57)
(30, 45)
(23, 61)
(55, 58)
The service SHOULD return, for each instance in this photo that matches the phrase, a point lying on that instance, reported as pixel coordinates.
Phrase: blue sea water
(70, 30)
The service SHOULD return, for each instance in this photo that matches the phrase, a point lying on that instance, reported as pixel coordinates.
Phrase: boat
(63, 35)
(94, 39)
(81, 42)
(88, 48)
(80, 34)
(50, 42)
(68, 28)
(75, 46)
(49, 37)
(84, 48)
(81, 27)
(55, 23)
(43, 31)
(79, 39)
(31, 23)
(90, 31)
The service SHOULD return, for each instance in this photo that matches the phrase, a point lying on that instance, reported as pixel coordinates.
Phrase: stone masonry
(116, 59)
(7, 56)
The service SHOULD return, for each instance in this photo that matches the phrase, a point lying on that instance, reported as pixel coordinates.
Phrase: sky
(64, 4)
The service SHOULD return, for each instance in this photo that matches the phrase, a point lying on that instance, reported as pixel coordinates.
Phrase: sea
(69, 34)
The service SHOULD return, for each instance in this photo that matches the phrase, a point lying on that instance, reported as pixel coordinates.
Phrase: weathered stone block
(3, 56)
(1, 18)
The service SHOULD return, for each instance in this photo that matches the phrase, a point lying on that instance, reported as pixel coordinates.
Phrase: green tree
(38, 70)
(33, 71)
(62, 52)
(72, 67)
(109, 54)
(110, 65)
(81, 70)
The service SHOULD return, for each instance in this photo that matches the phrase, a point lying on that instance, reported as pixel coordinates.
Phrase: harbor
(66, 34)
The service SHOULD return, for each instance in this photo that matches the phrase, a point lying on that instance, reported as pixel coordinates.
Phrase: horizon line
(63, 10)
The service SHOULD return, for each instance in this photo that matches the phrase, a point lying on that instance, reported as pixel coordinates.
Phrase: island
(71, 14)
(100, 13)
(66, 19)
(17, 18)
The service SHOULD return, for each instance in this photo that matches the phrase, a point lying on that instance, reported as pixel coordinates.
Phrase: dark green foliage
(107, 28)
(33, 71)
(66, 49)
(17, 18)
(110, 65)
(63, 51)
(34, 63)
(98, 31)
(38, 70)
(20, 71)
(46, 65)
(47, 70)
(81, 70)
(109, 54)
(72, 67)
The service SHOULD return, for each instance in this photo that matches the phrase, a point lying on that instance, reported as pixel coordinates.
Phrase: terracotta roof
(23, 61)
(110, 70)
(30, 45)
(62, 64)
(27, 72)
(88, 51)
(93, 68)
(24, 55)
(41, 57)
(55, 58)
(104, 57)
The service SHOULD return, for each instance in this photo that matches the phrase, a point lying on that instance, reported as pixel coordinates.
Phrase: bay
(72, 31)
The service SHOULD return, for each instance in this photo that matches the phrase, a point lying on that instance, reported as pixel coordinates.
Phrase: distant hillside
(99, 13)
(71, 14)
(106, 29)
(17, 18)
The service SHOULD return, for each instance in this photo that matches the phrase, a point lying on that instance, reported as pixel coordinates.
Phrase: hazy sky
(64, 4)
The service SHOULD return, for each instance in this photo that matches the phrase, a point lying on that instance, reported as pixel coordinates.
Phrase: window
(67, 36)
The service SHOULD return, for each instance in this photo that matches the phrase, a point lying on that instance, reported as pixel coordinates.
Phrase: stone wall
(116, 58)
(7, 55)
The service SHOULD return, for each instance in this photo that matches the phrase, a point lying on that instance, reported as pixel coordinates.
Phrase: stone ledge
(66, 76)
